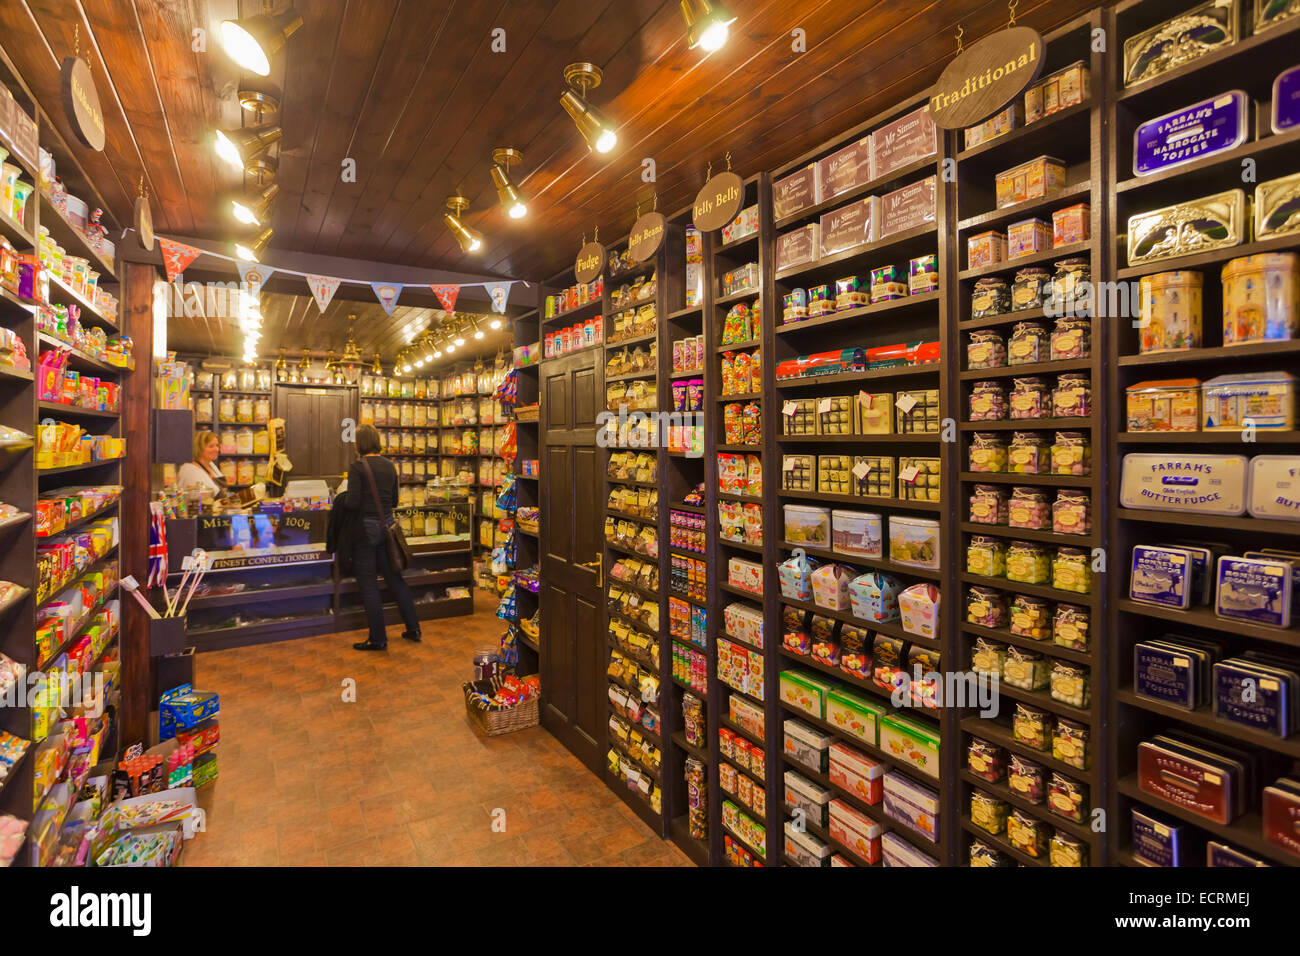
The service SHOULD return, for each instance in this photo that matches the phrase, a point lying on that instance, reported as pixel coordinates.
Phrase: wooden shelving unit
(1251, 64)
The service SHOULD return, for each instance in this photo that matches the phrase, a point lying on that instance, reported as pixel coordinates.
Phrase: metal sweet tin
(1277, 207)
(1180, 40)
(1202, 129)
(1285, 112)
(1186, 228)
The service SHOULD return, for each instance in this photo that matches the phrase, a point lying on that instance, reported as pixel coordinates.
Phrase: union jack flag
(157, 545)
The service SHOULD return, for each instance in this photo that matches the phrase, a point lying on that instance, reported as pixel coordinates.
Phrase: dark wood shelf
(1037, 368)
(1255, 350)
(918, 438)
(1006, 478)
(737, 296)
(1032, 534)
(1263, 436)
(868, 375)
(1213, 257)
(76, 411)
(1245, 523)
(1066, 196)
(1000, 734)
(1037, 590)
(903, 504)
(70, 238)
(1042, 136)
(737, 346)
(1000, 842)
(1040, 810)
(1204, 617)
(1029, 424)
(881, 564)
(1204, 718)
(900, 244)
(78, 359)
(1047, 648)
(65, 469)
(83, 520)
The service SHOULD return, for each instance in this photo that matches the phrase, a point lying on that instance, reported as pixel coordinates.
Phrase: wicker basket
(527, 413)
(504, 720)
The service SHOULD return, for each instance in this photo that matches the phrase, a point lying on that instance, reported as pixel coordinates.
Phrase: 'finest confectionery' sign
(590, 262)
(81, 103)
(986, 77)
(718, 202)
(646, 237)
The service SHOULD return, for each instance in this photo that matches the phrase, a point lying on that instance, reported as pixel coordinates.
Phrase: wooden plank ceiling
(413, 92)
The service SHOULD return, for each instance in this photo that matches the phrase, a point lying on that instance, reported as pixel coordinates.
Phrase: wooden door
(573, 672)
(313, 424)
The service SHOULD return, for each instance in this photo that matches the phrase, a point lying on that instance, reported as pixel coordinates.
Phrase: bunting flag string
(446, 296)
(176, 256)
(323, 288)
(387, 293)
(253, 275)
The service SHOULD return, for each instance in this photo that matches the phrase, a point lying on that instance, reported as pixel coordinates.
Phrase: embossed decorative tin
(1285, 113)
(1210, 126)
(1180, 40)
(1269, 13)
(1186, 228)
(1277, 207)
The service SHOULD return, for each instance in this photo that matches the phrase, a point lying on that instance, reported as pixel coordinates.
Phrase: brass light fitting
(470, 240)
(707, 24)
(259, 97)
(592, 124)
(503, 157)
(243, 149)
(252, 41)
(249, 252)
(255, 212)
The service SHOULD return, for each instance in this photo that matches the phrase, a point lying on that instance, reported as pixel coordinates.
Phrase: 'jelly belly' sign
(1204, 128)
(718, 203)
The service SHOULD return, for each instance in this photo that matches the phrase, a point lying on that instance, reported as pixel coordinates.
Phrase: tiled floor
(399, 777)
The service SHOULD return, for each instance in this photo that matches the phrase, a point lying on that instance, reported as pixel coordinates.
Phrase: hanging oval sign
(81, 102)
(986, 77)
(144, 223)
(590, 262)
(647, 236)
(718, 202)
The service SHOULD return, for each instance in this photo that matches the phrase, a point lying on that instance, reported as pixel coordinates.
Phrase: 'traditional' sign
(986, 77)
(81, 102)
(590, 262)
(647, 236)
(718, 202)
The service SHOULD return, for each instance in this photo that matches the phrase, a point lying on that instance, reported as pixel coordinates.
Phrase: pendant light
(494, 324)
(594, 127)
(249, 252)
(503, 157)
(707, 27)
(377, 368)
(470, 240)
(254, 213)
(252, 41)
(281, 371)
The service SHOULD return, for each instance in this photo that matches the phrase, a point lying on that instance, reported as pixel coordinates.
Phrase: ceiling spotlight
(258, 97)
(242, 149)
(459, 338)
(249, 252)
(494, 324)
(450, 347)
(469, 239)
(503, 157)
(252, 42)
(706, 27)
(406, 368)
(594, 127)
(419, 363)
(437, 353)
(253, 213)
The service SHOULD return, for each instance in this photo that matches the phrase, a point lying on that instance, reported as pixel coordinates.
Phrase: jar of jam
(1028, 454)
(1030, 289)
(988, 505)
(1029, 344)
(990, 297)
(988, 402)
(1071, 339)
(1072, 397)
(985, 349)
(1027, 508)
(1071, 290)
(988, 453)
(1029, 398)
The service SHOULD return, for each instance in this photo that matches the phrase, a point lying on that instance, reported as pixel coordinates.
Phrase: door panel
(574, 686)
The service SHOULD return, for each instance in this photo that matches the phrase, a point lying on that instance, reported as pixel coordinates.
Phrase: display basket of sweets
(503, 704)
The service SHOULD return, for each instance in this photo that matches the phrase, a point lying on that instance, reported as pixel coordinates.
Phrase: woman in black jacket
(368, 551)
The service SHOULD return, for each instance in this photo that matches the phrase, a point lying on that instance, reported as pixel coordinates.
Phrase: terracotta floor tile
(400, 776)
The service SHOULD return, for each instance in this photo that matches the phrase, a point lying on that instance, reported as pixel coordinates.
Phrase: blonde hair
(201, 440)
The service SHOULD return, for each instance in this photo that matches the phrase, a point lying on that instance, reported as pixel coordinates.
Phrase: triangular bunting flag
(498, 292)
(323, 288)
(446, 295)
(176, 256)
(387, 294)
(253, 275)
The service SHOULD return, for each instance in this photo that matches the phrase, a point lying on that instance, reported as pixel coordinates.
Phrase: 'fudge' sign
(986, 77)
(718, 202)
(590, 262)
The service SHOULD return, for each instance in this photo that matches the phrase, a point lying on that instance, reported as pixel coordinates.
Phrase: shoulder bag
(399, 553)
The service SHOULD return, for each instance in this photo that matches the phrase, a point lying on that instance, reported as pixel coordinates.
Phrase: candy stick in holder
(187, 565)
(132, 586)
(201, 562)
